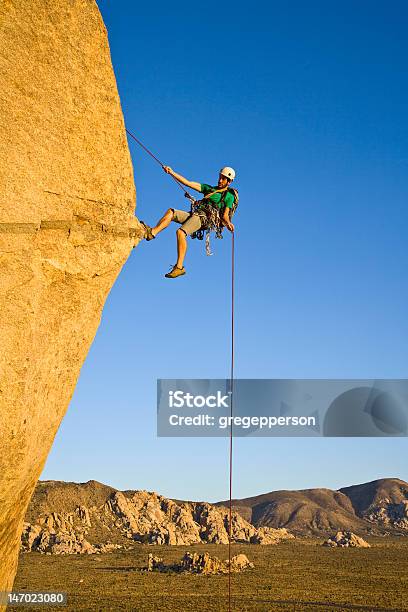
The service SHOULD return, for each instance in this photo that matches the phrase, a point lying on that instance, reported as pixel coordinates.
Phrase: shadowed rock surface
(66, 228)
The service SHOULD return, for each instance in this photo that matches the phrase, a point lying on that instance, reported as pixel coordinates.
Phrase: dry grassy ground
(292, 576)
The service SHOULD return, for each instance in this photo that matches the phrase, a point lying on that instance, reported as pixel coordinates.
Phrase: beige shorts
(190, 223)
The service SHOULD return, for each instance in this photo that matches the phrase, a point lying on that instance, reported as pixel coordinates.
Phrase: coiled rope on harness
(214, 223)
(210, 216)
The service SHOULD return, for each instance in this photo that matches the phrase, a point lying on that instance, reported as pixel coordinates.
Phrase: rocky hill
(68, 517)
(376, 507)
(383, 501)
(92, 517)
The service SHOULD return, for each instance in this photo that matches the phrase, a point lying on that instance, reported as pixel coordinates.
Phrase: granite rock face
(150, 518)
(269, 535)
(59, 535)
(67, 226)
(62, 542)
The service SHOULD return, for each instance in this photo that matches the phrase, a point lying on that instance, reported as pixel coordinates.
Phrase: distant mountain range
(379, 506)
(66, 517)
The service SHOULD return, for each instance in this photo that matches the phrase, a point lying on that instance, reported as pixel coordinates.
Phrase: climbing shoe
(148, 231)
(175, 272)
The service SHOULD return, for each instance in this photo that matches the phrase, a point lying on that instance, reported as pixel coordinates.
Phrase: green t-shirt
(216, 198)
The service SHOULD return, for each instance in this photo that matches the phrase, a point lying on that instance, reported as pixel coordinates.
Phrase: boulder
(67, 226)
(108, 547)
(196, 563)
(154, 563)
(345, 539)
(66, 541)
(269, 535)
(239, 563)
(83, 514)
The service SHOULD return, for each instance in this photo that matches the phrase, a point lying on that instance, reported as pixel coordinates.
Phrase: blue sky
(308, 102)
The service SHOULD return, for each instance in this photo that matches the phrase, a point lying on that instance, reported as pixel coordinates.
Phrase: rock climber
(212, 211)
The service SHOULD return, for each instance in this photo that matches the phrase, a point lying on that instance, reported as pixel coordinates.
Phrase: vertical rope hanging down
(231, 437)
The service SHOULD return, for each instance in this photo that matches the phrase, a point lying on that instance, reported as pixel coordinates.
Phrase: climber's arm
(184, 181)
(226, 219)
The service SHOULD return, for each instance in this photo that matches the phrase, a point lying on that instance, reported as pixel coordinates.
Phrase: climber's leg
(181, 247)
(167, 218)
(190, 225)
(178, 268)
(164, 222)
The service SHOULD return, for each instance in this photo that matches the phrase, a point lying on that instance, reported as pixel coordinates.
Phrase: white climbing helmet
(228, 172)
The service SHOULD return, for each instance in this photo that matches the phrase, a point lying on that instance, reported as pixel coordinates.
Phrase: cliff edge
(67, 226)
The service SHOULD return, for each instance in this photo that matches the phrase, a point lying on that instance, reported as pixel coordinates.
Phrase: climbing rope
(231, 400)
(186, 193)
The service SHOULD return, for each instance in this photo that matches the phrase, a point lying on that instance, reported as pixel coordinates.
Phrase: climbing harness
(209, 214)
